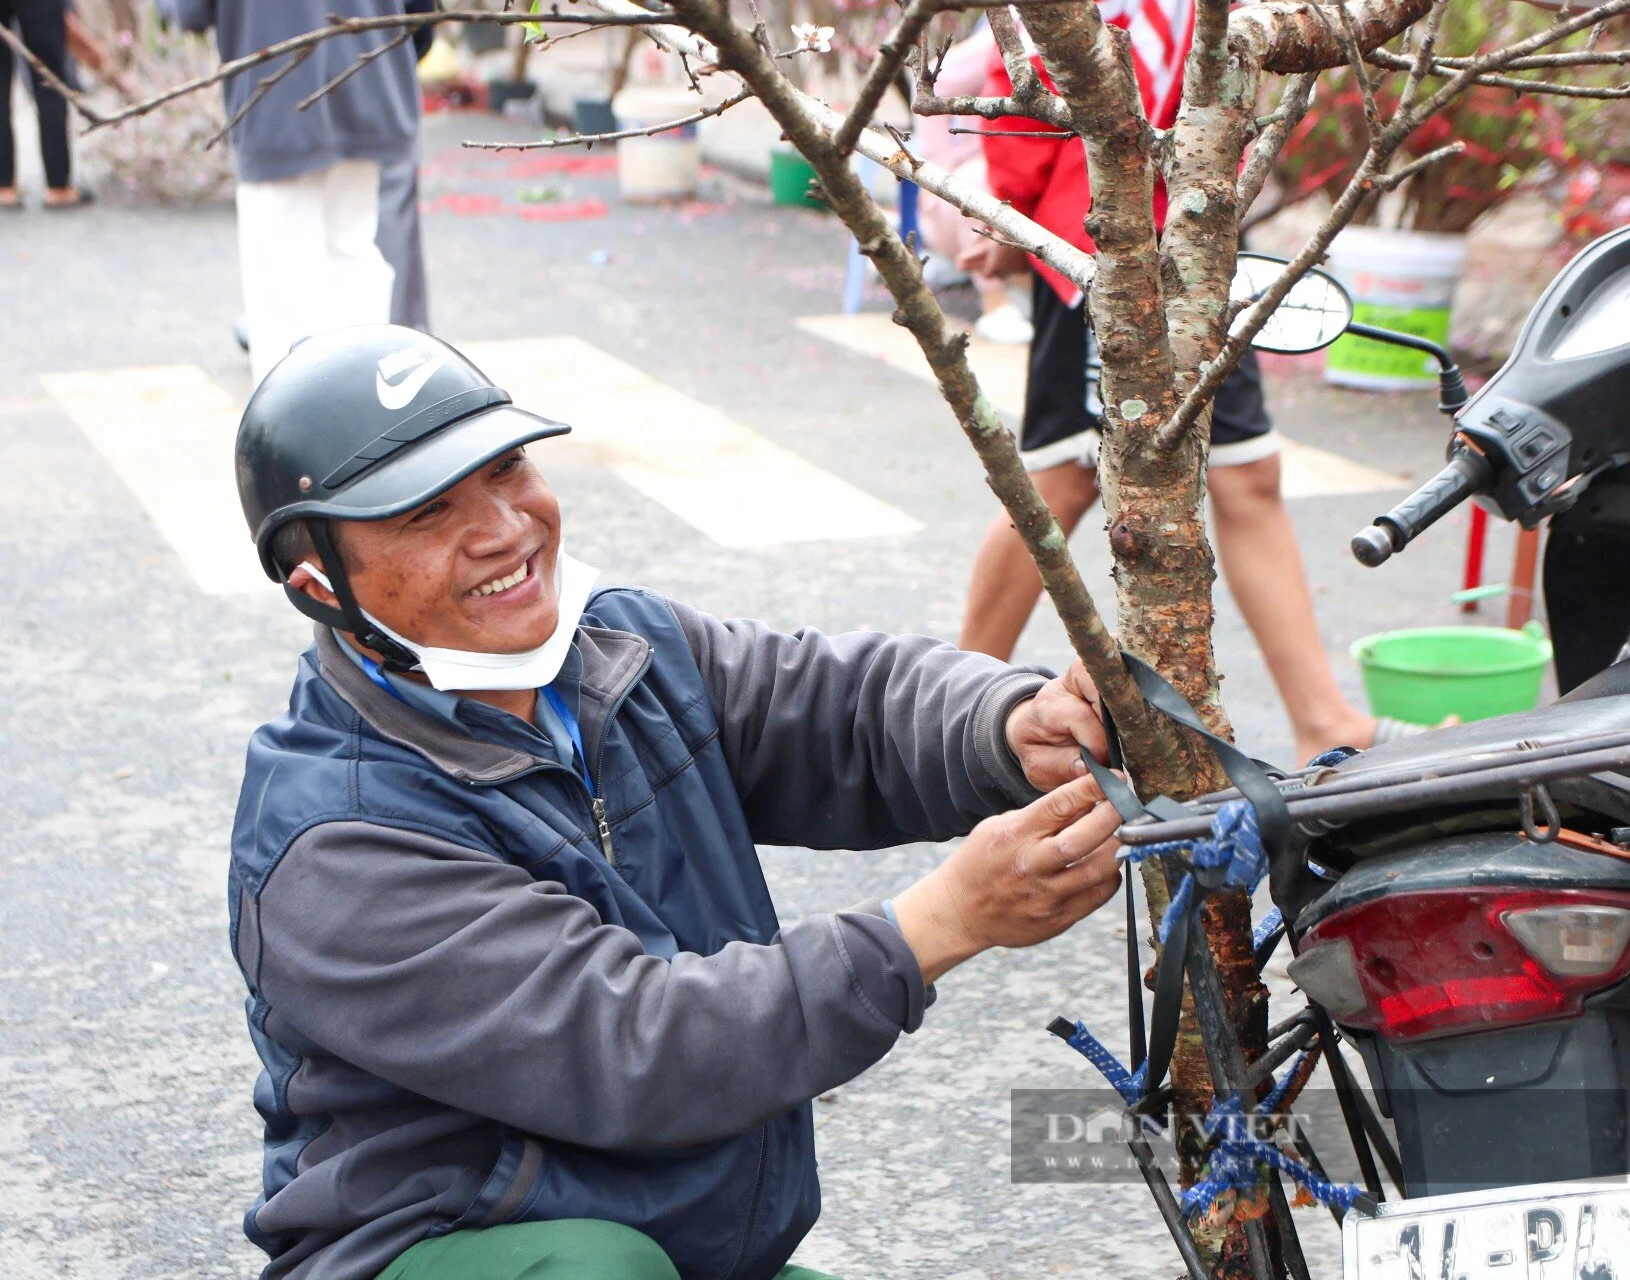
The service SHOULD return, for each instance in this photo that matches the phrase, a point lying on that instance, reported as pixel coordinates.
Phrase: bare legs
(1260, 561)
(1263, 567)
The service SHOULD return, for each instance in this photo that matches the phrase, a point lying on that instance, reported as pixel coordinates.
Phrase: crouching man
(514, 974)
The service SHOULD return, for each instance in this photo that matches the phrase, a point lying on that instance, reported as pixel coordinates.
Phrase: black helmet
(363, 424)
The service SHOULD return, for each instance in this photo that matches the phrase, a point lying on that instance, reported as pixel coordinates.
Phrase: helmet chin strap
(349, 616)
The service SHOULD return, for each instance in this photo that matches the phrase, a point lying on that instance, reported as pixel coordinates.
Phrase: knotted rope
(1232, 856)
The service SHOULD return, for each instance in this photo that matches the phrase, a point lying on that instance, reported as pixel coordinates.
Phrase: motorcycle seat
(1611, 683)
(1591, 803)
(1585, 712)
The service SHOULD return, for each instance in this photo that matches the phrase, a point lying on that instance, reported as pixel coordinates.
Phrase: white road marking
(719, 477)
(1307, 472)
(168, 432)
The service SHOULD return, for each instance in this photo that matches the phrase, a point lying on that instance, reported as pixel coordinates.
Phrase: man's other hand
(1046, 733)
(1018, 879)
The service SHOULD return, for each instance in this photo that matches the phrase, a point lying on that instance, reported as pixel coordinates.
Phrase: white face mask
(457, 670)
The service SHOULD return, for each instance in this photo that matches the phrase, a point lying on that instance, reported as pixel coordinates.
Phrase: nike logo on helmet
(415, 369)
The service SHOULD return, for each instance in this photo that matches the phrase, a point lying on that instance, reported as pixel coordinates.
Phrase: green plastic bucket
(1426, 674)
(790, 176)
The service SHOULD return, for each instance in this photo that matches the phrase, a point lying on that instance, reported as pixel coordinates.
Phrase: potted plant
(1403, 255)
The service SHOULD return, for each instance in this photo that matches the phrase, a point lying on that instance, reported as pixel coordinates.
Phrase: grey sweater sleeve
(465, 980)
(859, 740)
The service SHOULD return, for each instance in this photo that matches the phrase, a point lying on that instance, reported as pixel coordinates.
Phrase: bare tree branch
(1289, 37)
(265, 86)
(1355, 59)
(1207, 61)
(589, 139)
(349, 26)
(49, 77)
(1538, 61)
(1156, 526)
(1500, 58)
(1422, 61)
(358, 64)
(1552, 89)
(1293, 105)
(1392, 181)
(1021, 72)
(1048, 110)
(1392, 62)
(1040, 134)
(1058, 253)
(890, 58)
(1030, 98)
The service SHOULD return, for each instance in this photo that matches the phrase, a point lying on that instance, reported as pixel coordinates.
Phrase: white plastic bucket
(1401, 280)
(665, 165)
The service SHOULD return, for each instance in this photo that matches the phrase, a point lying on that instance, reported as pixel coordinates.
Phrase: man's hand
(1018, 879)
(1046, 733)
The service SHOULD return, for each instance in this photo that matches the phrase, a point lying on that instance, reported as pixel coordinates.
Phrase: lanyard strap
(558, 703)
(379, 678)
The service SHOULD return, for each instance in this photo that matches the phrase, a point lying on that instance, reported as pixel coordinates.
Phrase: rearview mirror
(1314, 313)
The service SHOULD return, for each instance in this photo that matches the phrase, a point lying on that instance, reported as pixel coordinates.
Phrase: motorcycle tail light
(1460, 960)
(1572, 942)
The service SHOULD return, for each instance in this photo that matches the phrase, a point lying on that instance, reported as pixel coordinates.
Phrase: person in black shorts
(1255, 542)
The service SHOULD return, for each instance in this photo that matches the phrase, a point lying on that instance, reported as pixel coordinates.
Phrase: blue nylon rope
(1266, 927)
(1234, 846)
(1129, 1084)
(1235, 1160)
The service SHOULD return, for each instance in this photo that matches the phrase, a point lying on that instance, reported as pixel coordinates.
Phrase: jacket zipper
(596, 803)
(599, 807)
(752, 1205)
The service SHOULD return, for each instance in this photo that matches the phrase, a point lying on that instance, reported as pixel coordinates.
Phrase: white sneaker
(1005, 325)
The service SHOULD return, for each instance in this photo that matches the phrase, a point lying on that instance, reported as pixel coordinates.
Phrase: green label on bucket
(1368, 357)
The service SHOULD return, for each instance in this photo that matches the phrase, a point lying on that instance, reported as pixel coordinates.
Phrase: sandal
(85, 197)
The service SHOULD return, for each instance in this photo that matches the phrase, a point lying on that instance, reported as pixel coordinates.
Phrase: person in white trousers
(309, 180)
(308, 258)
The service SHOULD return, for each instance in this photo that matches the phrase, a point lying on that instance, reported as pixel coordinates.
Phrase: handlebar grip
(1467, 473)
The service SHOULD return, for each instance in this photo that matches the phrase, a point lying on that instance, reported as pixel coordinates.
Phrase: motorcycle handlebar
(1467, 473)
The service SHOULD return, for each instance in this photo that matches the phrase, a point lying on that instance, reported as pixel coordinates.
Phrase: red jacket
(1047, 180)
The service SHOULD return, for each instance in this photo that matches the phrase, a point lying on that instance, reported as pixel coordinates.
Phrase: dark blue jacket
(474, 1006)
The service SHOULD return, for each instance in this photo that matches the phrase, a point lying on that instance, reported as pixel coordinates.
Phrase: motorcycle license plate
(1576, 1230)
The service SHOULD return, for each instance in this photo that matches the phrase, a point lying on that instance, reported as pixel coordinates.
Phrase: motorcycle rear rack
(1318, 806)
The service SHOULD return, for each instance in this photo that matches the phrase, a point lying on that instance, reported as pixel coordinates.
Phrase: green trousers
(572, 1249)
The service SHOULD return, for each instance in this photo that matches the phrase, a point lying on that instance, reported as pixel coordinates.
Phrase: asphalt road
(128, 1146)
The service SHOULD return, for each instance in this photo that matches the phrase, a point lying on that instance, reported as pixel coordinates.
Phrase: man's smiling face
(472, 569)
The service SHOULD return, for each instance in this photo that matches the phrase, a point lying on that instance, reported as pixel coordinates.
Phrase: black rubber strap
(1120, 794)
(1273, 819)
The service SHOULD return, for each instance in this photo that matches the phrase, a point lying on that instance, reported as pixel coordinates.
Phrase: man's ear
(312, 581)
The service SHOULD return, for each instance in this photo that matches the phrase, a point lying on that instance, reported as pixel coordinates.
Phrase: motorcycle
(1459, 902)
